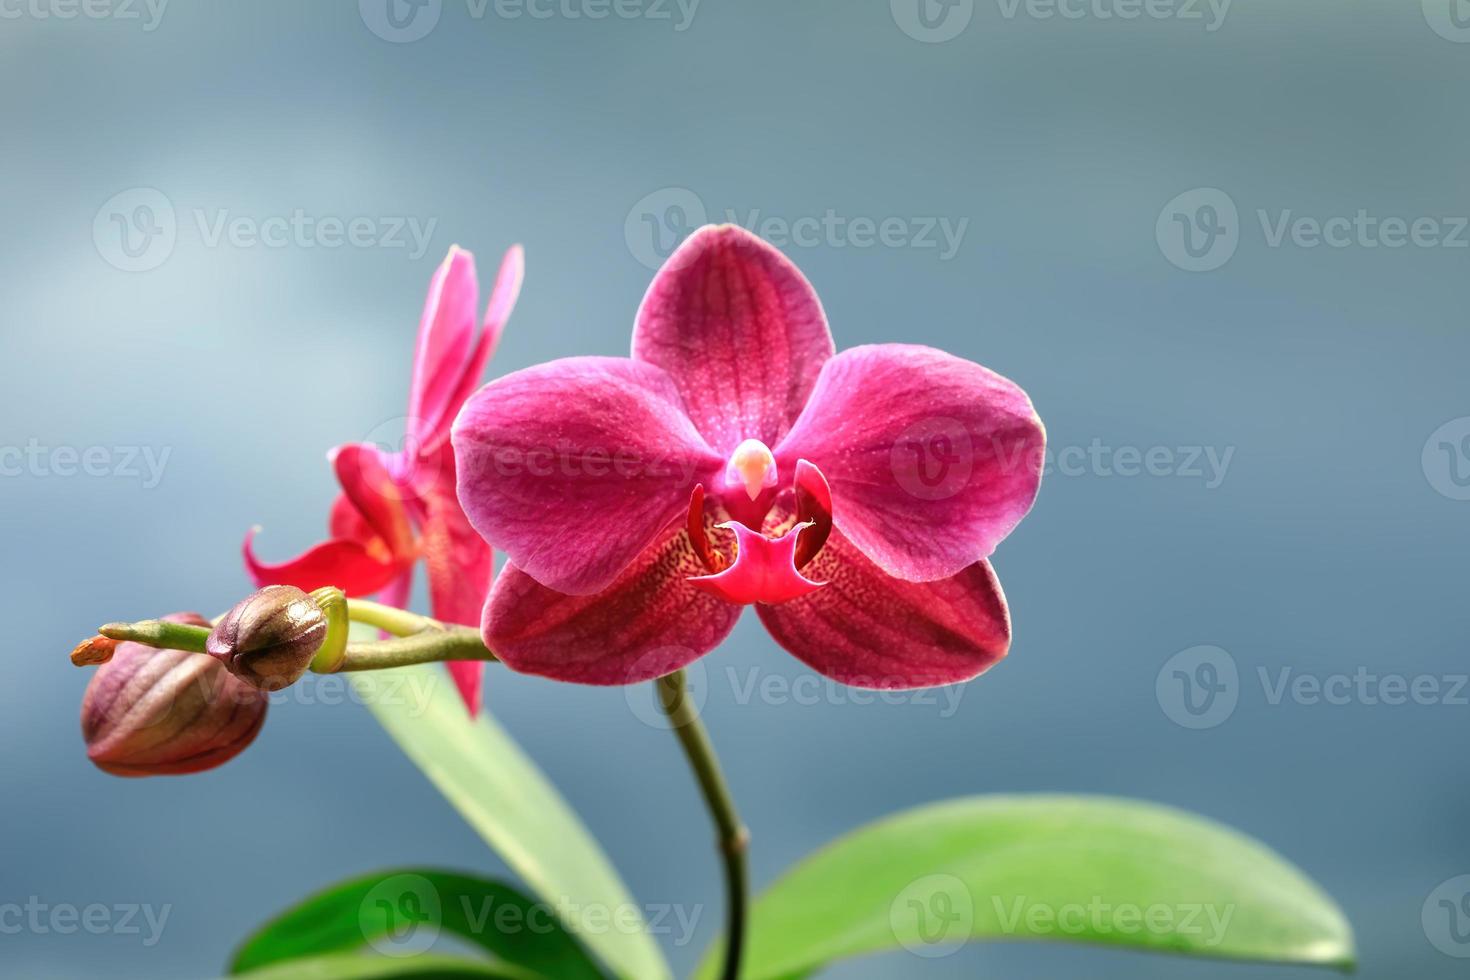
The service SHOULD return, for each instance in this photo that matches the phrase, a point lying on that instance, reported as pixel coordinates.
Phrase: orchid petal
(341, 563)
(366, 482)
(446, 334)
(502, 301)
(868, 629)
(574, 467)
(460, 566)
(649, 622)
(741, 332)
(932, 459)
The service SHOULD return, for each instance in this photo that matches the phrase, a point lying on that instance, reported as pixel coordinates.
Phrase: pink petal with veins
(741, 332)
(868, 629)
(573, 467)
(932, 459)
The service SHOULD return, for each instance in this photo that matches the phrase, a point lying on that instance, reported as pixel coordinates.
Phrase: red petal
(344, 564)
(868, 629)
(648, 623)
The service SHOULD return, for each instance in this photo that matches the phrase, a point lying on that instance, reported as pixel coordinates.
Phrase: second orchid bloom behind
(397, 508)
(735, 459)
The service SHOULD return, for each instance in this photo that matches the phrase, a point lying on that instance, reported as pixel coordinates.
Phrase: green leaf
(1075, 869)
(353, 967)
(401, 913)
(509, 802)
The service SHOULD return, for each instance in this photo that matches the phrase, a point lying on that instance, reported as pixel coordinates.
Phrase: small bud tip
(94, 651)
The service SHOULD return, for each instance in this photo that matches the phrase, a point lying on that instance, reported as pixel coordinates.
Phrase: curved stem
(733, 838)
(430, 646)
(390, 619)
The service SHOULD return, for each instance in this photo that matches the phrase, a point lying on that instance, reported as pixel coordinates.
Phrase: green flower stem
(158, 633)
(430, 646)
(733, 839)
(399, 622)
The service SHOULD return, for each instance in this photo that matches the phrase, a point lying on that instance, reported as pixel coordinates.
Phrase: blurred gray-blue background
(1223, 247)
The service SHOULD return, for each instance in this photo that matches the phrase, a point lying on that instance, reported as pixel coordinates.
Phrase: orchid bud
(269, 638)
(154, 712)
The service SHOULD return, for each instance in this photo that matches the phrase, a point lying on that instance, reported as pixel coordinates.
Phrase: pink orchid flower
(396, 508)
(734, 460)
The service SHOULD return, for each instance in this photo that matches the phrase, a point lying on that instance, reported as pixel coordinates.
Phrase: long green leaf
(341, 966)
(402, 913)
(509, 802)
(1078, 869)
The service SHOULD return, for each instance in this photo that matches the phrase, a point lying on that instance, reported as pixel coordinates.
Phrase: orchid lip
(764, 569)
